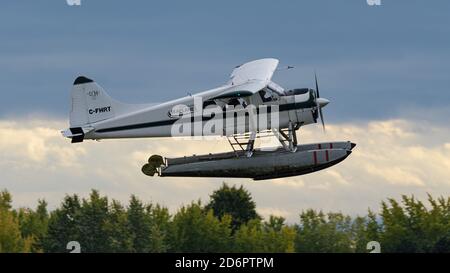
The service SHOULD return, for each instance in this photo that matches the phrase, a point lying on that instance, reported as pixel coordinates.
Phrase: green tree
(398, 235)
(439, 224)
(233, 201)
(407, 225)
(91, 224)
(116, 226)
(5, 200)
(62, 225)
(318, 232)
(34, 224)
(139, 225)
(365, 229)
(160, 228)
(197, 230)
(279, 237)
(269, 237)
(442, 245)
(410, 227)
(249, 238)
(11, 239)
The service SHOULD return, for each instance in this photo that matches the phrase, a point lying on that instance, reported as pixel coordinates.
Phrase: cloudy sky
(385, 69)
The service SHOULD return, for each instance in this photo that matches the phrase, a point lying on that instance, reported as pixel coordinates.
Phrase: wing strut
(253, 127)
(251, 144)
(245, 142)
(288, 137)
(242, 143)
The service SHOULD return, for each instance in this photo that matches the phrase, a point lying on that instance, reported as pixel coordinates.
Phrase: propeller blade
(319, 107)
(317, 85)
(321, 118)
(316, 95)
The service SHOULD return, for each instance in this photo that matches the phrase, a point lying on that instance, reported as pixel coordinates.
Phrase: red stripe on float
(331, 145)
(315, 157)
(326, 156)
(320, 147)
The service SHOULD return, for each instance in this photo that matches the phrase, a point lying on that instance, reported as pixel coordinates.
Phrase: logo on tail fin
(93, 94)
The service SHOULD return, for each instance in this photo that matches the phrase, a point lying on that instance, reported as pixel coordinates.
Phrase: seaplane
(249, 106)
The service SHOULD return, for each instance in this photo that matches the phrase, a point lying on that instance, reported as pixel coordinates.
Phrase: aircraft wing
(261, 70)
(248, 79)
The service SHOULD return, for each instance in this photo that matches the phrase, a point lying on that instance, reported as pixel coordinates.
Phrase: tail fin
(90, 103)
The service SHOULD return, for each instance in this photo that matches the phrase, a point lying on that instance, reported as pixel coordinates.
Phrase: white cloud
(392, 157)
(266, 212)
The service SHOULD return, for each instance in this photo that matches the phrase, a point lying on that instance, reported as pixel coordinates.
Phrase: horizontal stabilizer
(76, 134)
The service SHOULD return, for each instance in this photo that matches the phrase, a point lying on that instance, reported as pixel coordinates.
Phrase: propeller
(154, 162)
(320, 102)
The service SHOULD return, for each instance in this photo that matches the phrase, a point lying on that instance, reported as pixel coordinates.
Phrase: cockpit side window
(266, 95)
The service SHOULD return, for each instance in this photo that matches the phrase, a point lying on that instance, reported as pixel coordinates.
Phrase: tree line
(229, 222)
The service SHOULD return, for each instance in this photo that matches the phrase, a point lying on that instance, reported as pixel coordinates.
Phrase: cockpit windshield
(297, 91)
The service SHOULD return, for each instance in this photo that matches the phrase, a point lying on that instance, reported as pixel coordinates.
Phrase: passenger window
(208, 103)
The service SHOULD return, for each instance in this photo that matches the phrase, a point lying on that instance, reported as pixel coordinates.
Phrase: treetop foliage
(227, 223)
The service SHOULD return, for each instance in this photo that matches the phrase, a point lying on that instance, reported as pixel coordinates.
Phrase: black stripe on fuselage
(282, 107)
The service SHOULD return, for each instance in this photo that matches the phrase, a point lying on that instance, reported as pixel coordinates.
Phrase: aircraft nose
(322, 102)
